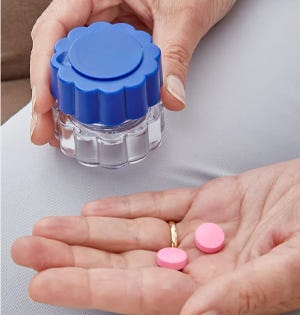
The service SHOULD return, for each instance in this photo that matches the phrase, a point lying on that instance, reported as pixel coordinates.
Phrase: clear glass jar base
(112, 147)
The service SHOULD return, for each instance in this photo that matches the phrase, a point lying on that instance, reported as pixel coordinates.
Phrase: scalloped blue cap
(106, 73)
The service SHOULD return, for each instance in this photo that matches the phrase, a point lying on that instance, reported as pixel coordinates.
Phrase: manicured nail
(34, 121)
(210, 313)
(176, 88)
(33, 98)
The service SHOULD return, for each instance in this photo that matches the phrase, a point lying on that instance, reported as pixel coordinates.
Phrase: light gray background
(242, 112)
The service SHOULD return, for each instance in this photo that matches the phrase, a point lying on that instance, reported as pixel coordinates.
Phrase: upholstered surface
(17, 19)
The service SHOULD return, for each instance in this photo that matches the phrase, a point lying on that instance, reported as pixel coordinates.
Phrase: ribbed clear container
(109, 146)
(106, 79)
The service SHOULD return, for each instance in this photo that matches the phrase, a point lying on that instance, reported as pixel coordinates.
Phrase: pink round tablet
(209, 238)
(172, 258)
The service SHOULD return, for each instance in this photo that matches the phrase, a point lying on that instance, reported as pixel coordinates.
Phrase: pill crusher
(106, 80)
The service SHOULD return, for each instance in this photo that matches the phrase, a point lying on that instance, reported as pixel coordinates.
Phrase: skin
(105, 258)
(168, 21)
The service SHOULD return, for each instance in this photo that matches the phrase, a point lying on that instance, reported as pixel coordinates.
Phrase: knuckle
(136, 230)
(35, 29)
(251, 298)
(182, 13)
(129, 205)
(157, 199)
(190, 11)
(179, 54)
(38, 25)
(199, 16)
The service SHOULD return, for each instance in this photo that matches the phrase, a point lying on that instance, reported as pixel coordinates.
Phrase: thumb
(177, 38)
(267, 285)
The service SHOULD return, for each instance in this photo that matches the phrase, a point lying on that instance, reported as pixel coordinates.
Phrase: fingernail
(34, 121)
(33, 98)
(176, 88)
(210, 313)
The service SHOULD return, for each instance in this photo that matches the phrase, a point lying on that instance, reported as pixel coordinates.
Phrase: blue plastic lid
(106, 73)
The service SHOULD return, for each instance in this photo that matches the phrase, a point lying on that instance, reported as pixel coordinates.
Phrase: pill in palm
(209, 238)
(172, 258)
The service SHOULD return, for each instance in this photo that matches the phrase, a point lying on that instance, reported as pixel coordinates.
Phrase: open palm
(106, 258)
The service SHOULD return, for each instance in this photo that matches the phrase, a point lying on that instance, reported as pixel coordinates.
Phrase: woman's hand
(106, 258)
(176, 26)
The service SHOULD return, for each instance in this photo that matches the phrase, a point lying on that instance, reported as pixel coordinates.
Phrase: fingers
(44, 38)
(165, 205)
(141, 291)
(40, 253)
(42, 128)
(53, 24)
(111, 234)
(178, 27)
(268, 285)
(177, 31)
